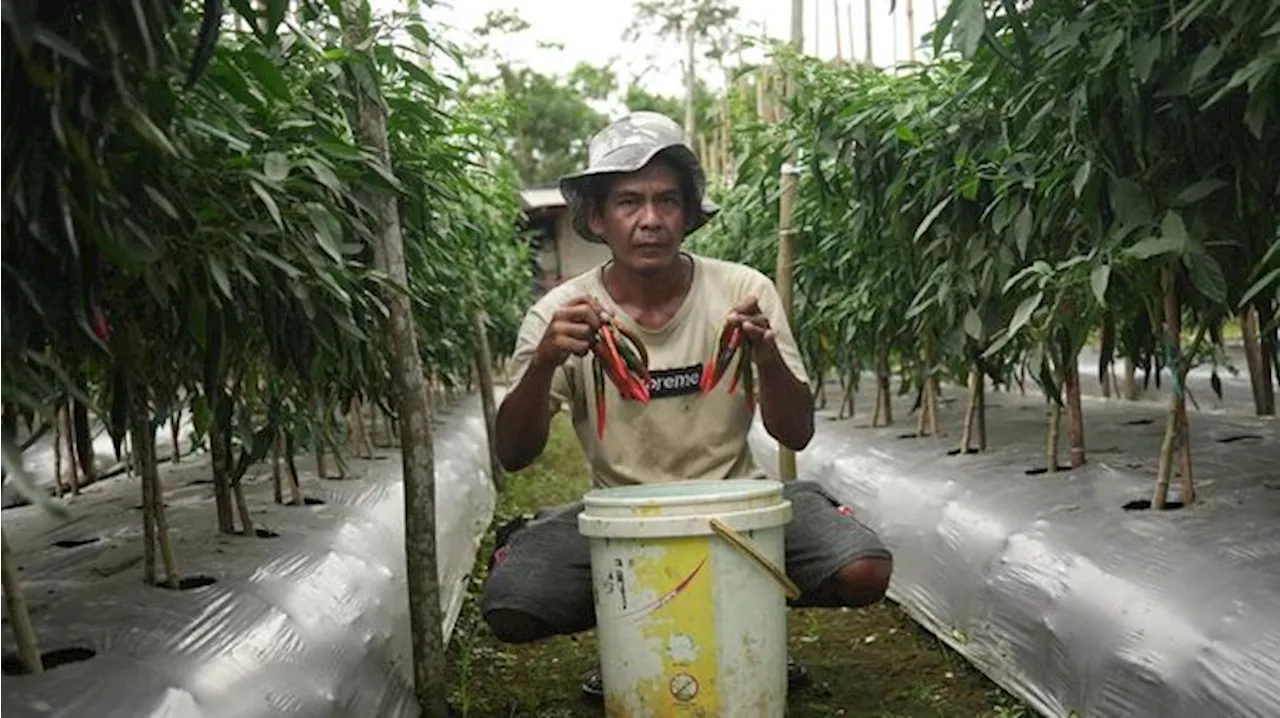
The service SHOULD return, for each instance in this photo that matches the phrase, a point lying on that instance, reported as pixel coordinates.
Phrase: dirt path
(873, 662)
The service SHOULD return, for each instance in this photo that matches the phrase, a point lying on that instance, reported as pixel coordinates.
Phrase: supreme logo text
(674, 382)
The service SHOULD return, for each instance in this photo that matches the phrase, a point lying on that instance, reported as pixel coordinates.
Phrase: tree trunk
(174, 422)
(277, 471)
(1071, 394)
(884, 400)
(1051, 441)
(484, 367)
(1270, 349)
(295, 488)
(142, 438)
(1176, 435)
(242, 507)
(971, 411)
(1253, 356)
(68, 417)
(430, 671)
(58, 433)
(15, 603)
(981, 413)
(84, 449)
(1106, 355)
(1130, 379)
(220, 458)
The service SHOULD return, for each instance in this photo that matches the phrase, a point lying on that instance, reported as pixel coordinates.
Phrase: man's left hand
(755, 326)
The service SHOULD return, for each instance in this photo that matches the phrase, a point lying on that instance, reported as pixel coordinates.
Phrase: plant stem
(15, 601)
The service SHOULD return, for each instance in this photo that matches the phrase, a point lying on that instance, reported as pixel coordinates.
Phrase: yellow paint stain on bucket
(683, 626)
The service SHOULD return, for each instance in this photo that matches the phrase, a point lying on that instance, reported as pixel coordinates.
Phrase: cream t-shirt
(680, 434)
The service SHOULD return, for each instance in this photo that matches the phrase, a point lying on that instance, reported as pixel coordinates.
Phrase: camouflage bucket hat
(627, 145)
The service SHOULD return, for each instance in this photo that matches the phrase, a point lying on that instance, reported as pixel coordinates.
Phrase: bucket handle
(740, 541)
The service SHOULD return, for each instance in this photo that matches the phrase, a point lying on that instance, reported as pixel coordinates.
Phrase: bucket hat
(627, 145)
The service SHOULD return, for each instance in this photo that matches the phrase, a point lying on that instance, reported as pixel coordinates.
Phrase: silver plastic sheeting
(1047, 584)
(311, 623)
(40, 462)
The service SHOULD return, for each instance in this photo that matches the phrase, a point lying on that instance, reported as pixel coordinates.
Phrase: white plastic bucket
(690, 622)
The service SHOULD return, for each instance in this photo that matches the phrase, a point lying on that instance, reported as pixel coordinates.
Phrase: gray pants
(544, 568)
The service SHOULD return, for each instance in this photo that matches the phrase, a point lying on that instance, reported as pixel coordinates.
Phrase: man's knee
(515, 626)
(864, 581)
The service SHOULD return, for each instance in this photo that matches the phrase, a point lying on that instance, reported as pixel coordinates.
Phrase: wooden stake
(15, 601)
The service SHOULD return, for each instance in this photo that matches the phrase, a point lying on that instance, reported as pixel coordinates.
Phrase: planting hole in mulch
(956, 452)
(50, 659)
(1042, 470)
(199, 482)
(73, 543)
(1145, 504)
(1140, 422)
(262, 533)
(914, 435)
(1239, 437)
(190, 583)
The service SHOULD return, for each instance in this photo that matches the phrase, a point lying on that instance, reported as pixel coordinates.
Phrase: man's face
(643, 218)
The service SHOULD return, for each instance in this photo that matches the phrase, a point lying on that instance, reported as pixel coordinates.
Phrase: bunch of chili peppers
(621, 356)
(732, 344)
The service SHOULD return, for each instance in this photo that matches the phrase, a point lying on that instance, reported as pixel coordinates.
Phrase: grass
(874, 662)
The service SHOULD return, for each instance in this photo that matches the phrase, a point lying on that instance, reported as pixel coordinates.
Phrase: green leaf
(1024, 311)
(268, 75)
(219, 274)
(325, 175)
(1173, 228)
(272, 208)
(973, 324)
(1154, 247)
(1145, 53)
(328, 229)
(276, 167)
(1198, 191)
(1206, 276)
(1082, 178)
(1022, 229)
(970, 24)
(929, 218)
(1099, 280)
(1272, 277)
(161, 201)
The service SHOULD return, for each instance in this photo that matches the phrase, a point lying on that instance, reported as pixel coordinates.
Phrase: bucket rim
(686, 492)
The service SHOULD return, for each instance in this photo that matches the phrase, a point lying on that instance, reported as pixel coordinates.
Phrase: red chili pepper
(101, 327)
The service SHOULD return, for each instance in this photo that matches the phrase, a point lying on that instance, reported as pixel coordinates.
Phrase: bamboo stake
(57, 450)
(835, 10)
(72, 458)
(786, 231)
(966, 433)
(911, 30)
(866, 7)
(15, 601)
(1051, 442)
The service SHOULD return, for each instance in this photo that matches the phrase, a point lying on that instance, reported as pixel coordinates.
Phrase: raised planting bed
(1064, 588)
(309, 617)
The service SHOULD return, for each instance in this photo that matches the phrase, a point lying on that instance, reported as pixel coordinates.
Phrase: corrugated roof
(541, 198)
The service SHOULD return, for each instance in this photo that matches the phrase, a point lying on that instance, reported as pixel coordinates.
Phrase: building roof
(547, 198)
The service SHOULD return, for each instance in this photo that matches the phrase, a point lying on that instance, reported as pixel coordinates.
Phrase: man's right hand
(569, 332)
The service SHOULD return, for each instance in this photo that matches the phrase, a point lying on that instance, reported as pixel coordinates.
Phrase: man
(641, 195)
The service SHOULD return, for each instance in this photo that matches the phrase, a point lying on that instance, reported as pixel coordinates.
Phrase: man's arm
(786, 403)
(524, 418)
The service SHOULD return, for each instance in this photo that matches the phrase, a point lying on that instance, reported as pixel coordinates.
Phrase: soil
(873, 662)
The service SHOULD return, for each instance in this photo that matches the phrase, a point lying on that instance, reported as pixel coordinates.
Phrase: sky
(591, 31)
